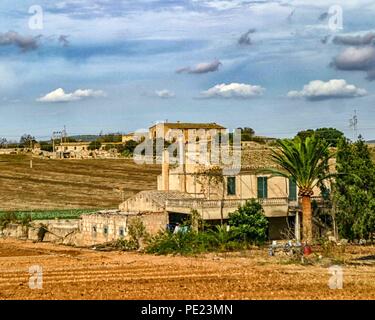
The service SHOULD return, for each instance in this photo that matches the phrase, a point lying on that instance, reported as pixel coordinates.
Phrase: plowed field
(72, 273)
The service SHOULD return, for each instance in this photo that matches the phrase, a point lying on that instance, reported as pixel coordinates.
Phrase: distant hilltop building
(127, 137)
(161, 130)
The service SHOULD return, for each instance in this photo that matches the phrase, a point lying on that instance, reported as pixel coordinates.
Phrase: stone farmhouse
(164, 128)
(180, 191)
(80, 149)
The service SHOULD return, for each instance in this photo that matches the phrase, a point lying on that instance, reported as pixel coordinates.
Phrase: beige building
(169, 130)
(72, 146)
(107, 226)
(81, 149)
(127, 137)
(184, 188)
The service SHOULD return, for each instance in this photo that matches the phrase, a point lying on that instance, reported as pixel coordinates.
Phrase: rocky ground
(75, 273)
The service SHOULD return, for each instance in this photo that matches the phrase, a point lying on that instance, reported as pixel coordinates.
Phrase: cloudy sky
(120, 65)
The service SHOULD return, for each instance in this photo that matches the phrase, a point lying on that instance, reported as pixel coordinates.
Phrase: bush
(6, 218)
(248, 226)
(46, 146)
(94, 145)
(184, 243)
(191, 242)
(249, 223)
(126, 245)
(127, 149)
(137, 231)
(109, 147)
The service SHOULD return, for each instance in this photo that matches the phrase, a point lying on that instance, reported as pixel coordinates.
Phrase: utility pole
(56, 135)
(64, 133)
(353, 124)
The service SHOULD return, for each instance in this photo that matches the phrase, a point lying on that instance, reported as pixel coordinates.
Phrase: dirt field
(71, 273)
(70, 184)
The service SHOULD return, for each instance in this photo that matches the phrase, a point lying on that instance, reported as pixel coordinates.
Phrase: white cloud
(233, 90)
(165, 94)
(59, 95)
(320, 90)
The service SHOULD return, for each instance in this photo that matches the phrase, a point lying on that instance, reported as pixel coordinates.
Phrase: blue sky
(120, 65)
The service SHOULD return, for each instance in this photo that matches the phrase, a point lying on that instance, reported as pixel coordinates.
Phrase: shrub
(109, 147)
(184, 243)
(126, 245)
(94, 145)
(137, 231)
(248, 223)
(6, 218)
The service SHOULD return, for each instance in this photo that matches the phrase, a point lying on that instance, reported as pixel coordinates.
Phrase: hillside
(65, 184)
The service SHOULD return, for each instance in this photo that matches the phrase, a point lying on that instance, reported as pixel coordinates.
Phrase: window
(121, 232)
(231, 186)
(105, 230)
(262, 188)
(93, 231)
(292, 190)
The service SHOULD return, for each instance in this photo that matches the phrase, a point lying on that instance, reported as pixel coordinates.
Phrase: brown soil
(72, 273)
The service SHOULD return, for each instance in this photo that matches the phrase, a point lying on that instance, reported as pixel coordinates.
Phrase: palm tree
(305, 162)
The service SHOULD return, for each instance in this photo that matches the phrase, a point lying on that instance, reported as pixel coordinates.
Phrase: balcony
(234, 203)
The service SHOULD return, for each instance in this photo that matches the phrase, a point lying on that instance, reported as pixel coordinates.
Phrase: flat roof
(190, 125)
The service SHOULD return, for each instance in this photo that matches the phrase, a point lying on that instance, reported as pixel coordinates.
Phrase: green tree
(129, 147)
(95, 145)
(305, 133)
(248, 223)
(355, 190)
(27, 141)
(46, 146)
(247, 133)
(3, 142)
(306, 162)
(330, 135)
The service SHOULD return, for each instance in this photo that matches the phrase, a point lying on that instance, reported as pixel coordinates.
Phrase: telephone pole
(353, 124)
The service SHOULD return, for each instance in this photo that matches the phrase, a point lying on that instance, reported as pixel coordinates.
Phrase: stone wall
(105, 227)
(91, 229)
(62, 231)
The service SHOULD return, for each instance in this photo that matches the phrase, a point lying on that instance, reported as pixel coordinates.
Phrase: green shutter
(292, 190)
(265, 187)
(231, 186)
(262, 187)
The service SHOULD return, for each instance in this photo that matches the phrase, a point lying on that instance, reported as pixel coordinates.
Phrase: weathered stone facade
(61, 231)
(108, 226)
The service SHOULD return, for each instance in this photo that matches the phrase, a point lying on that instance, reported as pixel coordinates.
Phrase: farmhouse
(127, 137)
(184, 188)
(163, 130)
(81, 149)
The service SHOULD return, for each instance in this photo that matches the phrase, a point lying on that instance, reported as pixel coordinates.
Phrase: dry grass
(68, 184)
(71, 273)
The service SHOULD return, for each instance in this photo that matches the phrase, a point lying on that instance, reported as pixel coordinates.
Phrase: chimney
(165, 170)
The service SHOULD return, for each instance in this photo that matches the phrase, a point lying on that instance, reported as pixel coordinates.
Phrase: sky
(121, 65)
